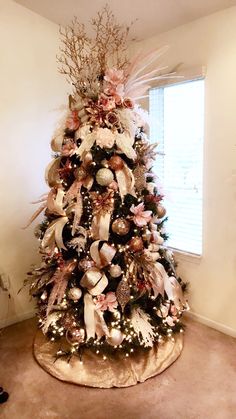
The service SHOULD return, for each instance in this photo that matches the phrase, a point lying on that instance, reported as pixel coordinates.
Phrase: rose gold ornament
(116, 337)
(121, 226)
(116, 163)
(136, 244)
(75, 293)
(161, 211)
(115, 271)
(104, 177)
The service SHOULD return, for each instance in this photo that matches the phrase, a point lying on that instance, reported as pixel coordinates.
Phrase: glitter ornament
(104, 177)
(116, 163)
(161, 211)
(115, 271)
(75, 293)
(136, 244)
(121, 226)
(115, 338)
(123, 293)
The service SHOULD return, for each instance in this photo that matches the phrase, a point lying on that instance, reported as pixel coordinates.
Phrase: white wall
(211, 41)
(30, 90)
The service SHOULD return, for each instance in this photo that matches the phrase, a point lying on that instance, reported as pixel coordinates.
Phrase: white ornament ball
(115, 271)
(104, 177)
(75, 294)
(116, 337)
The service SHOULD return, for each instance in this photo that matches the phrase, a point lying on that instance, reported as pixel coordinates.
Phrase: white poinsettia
(105, 138)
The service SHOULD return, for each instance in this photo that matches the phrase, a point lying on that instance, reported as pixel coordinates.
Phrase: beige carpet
(201, 384)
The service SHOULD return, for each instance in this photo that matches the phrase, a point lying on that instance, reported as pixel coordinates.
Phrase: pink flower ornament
(73, 122)
(114, 76)
(106, 302)
(140, 217)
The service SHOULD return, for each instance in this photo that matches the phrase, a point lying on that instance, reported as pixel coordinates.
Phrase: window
(177, 124)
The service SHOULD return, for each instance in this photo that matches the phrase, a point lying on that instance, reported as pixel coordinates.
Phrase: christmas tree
(107, 282)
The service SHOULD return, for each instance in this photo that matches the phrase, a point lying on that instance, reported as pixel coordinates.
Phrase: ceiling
(153, 16)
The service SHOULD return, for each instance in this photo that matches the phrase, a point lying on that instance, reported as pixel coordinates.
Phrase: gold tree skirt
(112, 372)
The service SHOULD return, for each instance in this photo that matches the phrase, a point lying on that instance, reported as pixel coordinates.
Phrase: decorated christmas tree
(107, 283)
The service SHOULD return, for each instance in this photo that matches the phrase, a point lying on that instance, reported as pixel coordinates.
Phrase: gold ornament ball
(121, 226)
(161, 211)
(116, 337)
(136, 244)
(104, 177)
(75, 293)
(115, 271)
(116, 163)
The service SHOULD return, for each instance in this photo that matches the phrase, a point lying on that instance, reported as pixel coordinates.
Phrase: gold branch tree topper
(84, 59)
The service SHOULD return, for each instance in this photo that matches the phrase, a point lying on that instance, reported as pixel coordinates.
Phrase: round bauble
(104, 177)
(161, 211)
(116, 163)
(136, 244)
(115, 271)
(116, 337)
(121, 226)
(75, 293)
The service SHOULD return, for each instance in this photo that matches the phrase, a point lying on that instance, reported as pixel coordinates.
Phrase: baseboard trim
(16, 319)
(211, 323)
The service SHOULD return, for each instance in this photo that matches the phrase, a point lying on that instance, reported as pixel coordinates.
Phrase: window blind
(177, 124)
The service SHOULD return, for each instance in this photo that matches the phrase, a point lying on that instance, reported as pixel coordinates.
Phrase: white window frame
(188, 75)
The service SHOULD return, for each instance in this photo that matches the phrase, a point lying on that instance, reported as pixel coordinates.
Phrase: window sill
(187, 257)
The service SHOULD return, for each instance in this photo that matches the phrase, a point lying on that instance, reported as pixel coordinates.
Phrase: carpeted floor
(201, 384)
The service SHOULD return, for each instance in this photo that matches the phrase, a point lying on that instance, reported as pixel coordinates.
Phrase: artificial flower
(73, 121)
(114, 76)
(154, 199)
(106, 103)
(68, 149)
(128, 103)
(111, 119)
(102, 203)
(141, 217)
(105, 138)
(106, 302)
(114, 186)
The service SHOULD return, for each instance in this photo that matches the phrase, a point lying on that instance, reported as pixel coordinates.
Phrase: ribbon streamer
(125, 143)
(174, 292)
(125, 180)
(55, 204)
(168, 284)
(103, 256)
(93, 319)
(54, 234)
(100, 226)
(52, 177)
